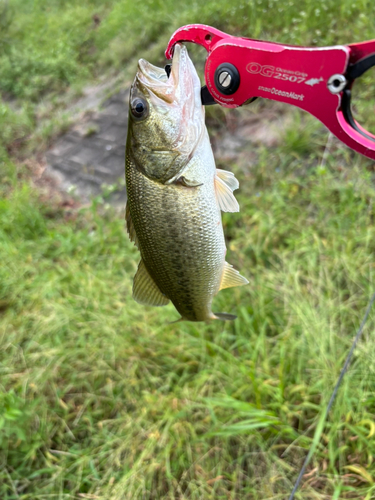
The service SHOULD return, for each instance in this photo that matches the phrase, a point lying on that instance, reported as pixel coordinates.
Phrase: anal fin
(225, 184)
(145, 290)
(231, 277)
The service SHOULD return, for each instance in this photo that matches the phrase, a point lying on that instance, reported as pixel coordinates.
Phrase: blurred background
(102, 398)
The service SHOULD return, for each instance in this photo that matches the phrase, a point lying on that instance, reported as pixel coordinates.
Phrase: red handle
(313, 79)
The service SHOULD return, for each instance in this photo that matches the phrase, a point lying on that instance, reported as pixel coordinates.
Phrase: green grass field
(101, 398)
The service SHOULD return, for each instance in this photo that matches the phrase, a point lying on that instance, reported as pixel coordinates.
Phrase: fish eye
(139, 108)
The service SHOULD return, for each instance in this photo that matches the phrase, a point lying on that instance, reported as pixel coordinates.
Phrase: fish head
(166, 117)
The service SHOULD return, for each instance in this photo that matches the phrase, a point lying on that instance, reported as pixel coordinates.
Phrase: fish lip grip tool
(316, 79)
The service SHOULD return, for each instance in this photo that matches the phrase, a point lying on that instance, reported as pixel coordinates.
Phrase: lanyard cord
(324, 415)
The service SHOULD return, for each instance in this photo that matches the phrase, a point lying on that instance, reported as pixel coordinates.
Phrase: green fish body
(176, 194)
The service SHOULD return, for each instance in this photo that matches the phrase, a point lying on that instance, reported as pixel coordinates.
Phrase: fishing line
(322, 420)
(326, 150)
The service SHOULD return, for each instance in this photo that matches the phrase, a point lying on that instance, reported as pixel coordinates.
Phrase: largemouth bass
(175, 193)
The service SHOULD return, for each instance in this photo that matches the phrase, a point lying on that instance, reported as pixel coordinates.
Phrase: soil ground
(90, 156)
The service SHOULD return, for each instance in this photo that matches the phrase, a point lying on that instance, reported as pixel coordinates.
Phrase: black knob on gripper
(227, 78)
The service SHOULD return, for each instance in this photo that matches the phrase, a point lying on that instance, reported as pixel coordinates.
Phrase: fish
(175, 193)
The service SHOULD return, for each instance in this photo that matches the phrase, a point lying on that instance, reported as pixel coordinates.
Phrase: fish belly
(181, 240)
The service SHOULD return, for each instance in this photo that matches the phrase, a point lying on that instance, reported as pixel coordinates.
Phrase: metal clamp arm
(315, 79)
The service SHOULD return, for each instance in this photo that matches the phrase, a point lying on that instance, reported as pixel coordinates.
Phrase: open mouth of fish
(181, 83)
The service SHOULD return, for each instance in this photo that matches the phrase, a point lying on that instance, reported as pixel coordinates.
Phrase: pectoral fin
(130, 227)
(191, 183)
(225, 184)
(161, 166)
(231, 277)
(145, 290)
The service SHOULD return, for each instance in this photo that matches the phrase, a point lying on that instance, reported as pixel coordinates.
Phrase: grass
(103, 398)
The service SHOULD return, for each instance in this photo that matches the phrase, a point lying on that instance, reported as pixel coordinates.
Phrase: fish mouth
(151, 75)
(182, 84)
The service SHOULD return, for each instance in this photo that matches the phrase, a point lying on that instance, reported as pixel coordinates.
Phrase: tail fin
(225, 316)
(176, 321)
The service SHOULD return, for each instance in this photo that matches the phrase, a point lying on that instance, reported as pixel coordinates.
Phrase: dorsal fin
(231, 277)
(225, 183)
(145, 290)
(130, 227)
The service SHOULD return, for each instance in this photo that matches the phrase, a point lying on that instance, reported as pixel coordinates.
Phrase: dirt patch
(90, 157)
